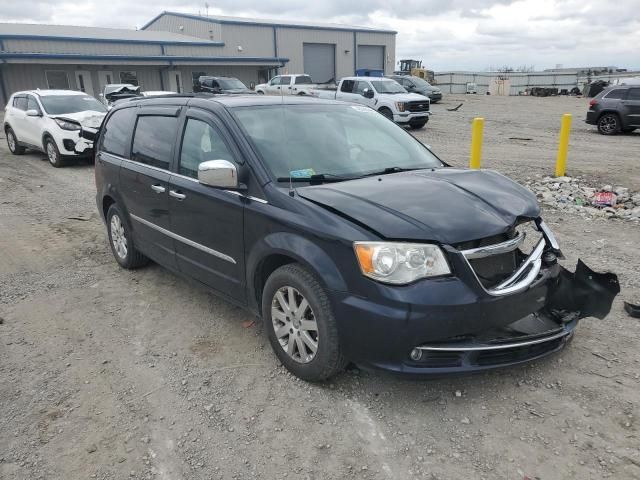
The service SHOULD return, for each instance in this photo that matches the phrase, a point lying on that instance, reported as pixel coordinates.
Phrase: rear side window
(615, 94)
(117, 131)
(153, 140)
(634, 94)
(347, 86)
(20, 102)
(303, 80)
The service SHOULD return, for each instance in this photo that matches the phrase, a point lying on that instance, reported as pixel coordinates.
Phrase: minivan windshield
(338, 141)
(61, 104)
(387, 86)
(231, 84)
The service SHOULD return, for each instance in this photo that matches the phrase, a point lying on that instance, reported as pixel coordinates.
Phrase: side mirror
(33, 113)
(102, 95)
(218, 173)
(367, 93)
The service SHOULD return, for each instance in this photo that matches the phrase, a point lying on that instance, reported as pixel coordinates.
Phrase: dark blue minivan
(347, 236)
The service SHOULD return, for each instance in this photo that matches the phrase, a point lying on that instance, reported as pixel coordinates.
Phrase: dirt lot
(111, 374)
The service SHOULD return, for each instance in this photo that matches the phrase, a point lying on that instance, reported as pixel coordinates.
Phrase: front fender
(301, 250)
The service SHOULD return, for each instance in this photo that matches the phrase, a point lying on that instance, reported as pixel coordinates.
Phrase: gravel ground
(111, 374)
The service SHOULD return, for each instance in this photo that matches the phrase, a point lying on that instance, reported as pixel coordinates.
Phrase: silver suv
(615, 109)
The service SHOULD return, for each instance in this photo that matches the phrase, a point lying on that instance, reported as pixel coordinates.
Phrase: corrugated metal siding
(87, 48)
(192, 27)
(31, 76)
(256, 41)
(193, 50)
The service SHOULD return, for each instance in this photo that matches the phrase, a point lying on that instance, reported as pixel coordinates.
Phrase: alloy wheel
(294, 324)
(608, 124)
(51, 153)
(11, 140)
(118, 237)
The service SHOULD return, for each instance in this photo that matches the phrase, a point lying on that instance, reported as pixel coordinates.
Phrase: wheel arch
(281, 249)
(608, 111)
(45, 136)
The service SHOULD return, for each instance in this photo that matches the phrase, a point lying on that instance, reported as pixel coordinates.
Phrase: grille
(494, 269)
(418, 106)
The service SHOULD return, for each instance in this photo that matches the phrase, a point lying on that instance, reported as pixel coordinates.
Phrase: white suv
(50, 121)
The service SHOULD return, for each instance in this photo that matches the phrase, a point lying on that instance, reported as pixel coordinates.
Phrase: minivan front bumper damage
(443, 327)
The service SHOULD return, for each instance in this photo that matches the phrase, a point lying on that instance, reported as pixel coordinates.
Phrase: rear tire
(12, 142)
(609, 124)
(259, 92)
(121, 240)
(300, 324)
(53, 154)
(387, 113)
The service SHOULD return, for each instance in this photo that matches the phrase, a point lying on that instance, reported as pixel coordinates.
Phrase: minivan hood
(443, 205)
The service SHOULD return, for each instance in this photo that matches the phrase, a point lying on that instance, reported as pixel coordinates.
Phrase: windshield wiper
(391, 170)
(316, 178)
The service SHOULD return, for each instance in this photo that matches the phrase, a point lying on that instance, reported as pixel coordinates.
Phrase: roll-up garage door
(320, 61)
(371, 57)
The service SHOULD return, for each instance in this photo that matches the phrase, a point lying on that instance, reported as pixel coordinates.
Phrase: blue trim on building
(265, 24)
(190, 43)
(149, 58)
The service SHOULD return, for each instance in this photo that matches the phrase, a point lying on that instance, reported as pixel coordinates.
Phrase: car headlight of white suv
(67, 124)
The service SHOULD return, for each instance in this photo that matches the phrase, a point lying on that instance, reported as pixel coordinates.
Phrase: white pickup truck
(384, 95)
(298, 84)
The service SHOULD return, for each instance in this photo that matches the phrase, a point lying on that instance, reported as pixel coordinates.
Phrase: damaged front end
(503, 270)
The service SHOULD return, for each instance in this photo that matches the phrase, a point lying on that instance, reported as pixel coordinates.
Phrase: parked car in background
(227, 85)
(119, 91)
(350, 238)
(615, 109)
(50, 121)
(418, 85)
(384, 95)
(299, 84)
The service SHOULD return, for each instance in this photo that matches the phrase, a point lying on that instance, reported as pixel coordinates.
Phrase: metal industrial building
(173, 49)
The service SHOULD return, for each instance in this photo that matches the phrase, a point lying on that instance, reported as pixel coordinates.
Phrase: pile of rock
(574, 194)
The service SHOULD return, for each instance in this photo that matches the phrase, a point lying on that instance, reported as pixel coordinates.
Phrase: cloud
(456, 34)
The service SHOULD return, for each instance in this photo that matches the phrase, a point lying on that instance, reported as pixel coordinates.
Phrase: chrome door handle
(158, 188)
(178, 195)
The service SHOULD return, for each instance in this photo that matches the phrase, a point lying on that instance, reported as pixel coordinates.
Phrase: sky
(446, 35)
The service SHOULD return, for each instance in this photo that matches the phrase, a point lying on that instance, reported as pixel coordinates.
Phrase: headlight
(400, 106)
(400, 263)
(67, 125)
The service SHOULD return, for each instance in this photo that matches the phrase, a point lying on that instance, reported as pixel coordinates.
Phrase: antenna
(206, 8)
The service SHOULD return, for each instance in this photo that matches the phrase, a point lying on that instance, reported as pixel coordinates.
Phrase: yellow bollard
(563, 147)
(476, 142)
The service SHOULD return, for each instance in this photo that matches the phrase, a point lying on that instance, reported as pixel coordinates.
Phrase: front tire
(417, 126)
(121, 240)
(53, 154)
(387, 113)
(609, 124)
(300, 324)
(12, 142)
(260, 92)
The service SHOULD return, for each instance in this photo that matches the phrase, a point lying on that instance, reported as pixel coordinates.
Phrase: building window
(128, 76)
(57, 79)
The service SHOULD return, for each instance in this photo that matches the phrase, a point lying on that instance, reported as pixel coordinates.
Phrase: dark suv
(418, 85)
(615, 109)
(350, 238)
(228, 85)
